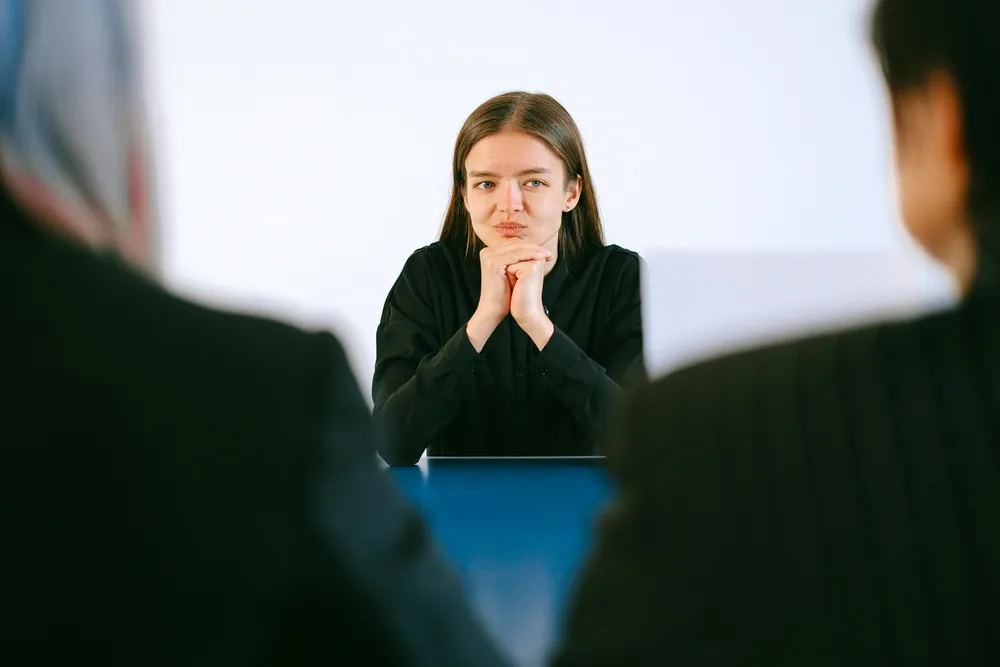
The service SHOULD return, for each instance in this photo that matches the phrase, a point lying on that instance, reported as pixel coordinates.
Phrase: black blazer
(182, 486)
(832, 501)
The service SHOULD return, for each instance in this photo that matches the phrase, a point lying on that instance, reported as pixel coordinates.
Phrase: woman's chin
(494, 239)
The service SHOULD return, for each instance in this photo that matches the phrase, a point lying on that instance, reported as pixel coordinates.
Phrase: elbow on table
(389, 444)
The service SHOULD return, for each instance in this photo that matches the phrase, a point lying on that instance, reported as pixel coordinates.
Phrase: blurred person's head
(941, 61)
(73, 148)
(520, 171)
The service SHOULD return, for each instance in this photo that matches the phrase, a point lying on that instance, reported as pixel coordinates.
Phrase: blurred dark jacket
(827, 501)
(182, 486)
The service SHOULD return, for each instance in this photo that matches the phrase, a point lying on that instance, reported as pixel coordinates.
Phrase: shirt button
(519, 374)
(472, 369)
(545, 371)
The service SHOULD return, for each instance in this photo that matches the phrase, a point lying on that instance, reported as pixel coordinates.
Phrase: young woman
(512, 334)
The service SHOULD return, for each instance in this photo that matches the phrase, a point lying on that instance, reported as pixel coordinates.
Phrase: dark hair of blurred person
(939, 59)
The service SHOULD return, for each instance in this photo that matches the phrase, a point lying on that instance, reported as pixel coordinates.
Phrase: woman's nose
(511, 199)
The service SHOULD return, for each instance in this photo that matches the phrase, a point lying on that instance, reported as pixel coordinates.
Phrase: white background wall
(305, 144)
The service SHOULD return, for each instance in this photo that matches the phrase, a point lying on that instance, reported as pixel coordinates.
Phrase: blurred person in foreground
(835, 500)
(180, 486)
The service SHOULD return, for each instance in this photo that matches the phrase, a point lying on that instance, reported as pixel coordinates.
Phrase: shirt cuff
(560, 357)
(461, 356)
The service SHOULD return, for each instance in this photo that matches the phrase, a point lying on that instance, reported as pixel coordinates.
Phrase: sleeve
(645, 594)
(708, 553)
(366, 550)
(587, 388)
(417, 386)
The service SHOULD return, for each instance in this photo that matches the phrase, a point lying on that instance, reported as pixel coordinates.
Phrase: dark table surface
(517, 531)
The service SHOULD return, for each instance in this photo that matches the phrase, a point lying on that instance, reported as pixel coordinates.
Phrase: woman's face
(516, 188)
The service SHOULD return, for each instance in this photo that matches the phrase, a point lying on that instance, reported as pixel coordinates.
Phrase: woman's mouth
(510, 229)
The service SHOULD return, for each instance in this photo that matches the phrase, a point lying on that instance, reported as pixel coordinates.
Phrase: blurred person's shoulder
(818, 386)
(88, 321)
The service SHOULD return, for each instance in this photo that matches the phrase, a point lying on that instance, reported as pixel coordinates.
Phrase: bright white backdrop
(305, 144)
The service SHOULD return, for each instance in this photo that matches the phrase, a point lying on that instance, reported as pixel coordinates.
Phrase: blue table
(517, 531)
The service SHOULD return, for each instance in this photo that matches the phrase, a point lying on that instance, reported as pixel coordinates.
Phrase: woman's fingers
(519, 251)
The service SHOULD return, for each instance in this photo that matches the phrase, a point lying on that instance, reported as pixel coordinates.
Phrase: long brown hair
(542, 117)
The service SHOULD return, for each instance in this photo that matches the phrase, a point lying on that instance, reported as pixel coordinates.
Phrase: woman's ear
(573, 191)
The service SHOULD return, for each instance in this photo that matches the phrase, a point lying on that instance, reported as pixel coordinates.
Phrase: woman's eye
(485, 185)
(535, 184)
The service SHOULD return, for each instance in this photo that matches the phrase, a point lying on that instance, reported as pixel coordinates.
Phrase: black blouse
(432, 391)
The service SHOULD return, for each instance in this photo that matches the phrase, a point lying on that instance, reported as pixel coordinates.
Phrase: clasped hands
(513, 274)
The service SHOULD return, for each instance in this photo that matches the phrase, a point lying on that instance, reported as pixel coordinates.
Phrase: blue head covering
(73, 143)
